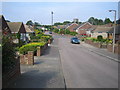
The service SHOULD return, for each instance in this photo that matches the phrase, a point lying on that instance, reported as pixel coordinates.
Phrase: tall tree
(100, 22)
(66, 22)
(29, 22)
(107, 20)
(36, 24)
(91, 20)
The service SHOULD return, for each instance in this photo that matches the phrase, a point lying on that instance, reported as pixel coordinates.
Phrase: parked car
(75, 40)
(50, 32)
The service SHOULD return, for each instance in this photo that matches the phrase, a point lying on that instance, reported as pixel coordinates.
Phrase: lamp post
(114, 29)
(52, 18)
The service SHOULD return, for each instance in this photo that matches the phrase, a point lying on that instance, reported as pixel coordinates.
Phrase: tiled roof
(28, 28)
(102, 29)
(14, 26)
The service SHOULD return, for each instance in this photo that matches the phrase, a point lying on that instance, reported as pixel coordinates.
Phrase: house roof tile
(14, 26)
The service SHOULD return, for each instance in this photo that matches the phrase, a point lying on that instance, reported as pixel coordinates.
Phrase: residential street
(85, 69)
(66, 65)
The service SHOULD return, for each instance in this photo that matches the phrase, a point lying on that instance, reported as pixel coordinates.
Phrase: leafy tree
(107, 20)
(100, 22)
(58, 23)
(36, 24)
(29, 22)
(66, 22)
(91, 20)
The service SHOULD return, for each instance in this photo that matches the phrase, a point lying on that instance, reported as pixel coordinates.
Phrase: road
(85, 69)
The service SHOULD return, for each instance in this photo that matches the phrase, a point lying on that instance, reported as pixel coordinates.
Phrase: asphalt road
(85, 69)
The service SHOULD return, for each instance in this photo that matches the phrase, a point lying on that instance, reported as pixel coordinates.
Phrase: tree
(36, 24)
(91, 20)
(100, 22)
(58, 23)
(107, 21)
(29, 23)
(66, 22)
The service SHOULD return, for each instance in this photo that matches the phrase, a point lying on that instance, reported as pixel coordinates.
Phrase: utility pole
(114, 29)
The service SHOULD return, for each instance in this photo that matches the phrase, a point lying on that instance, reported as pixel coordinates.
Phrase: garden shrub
(30, 47)
(8, 54)
(100, 38)
(73, 33)
(67, 31)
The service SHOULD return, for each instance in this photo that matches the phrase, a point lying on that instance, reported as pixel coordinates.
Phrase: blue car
(75, 40)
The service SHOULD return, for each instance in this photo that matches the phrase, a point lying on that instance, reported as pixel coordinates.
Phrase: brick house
(18, 27)
(84, 29)
(72, 27)
(4, 28)
(103, 31)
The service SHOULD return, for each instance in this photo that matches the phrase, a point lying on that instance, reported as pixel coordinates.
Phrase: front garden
(99, 42)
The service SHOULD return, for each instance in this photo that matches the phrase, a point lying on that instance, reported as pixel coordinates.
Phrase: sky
(63, 11)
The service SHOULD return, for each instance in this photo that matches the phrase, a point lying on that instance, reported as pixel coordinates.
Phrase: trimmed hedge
(30, 47)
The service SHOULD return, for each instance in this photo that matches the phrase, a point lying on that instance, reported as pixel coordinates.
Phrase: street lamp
(114, 29)
(52, 18)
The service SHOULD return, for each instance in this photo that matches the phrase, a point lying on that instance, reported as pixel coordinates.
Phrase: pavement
(101, 51)
(45, 73)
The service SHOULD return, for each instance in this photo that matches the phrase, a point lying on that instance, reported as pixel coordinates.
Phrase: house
(117, 33)
(29, 29)
(72, 27)
(4, 28)
(60, 26)
(18, 27)
(84, 29)
(101, 30)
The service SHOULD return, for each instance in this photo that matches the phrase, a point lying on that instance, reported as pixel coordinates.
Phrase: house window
(99, 32)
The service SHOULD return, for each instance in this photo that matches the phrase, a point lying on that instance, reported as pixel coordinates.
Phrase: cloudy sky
(41, 11)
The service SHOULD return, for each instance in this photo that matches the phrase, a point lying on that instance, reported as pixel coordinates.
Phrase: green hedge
(30, 47)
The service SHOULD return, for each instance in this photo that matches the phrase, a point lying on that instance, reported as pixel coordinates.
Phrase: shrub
(100, 37)
(8, 54)
(89, 38)
(56, 30)
(82, 39)
(30, 47)
(67, 31)
(73, 33)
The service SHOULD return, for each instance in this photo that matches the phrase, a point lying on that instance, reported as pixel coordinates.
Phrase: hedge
(30, 47)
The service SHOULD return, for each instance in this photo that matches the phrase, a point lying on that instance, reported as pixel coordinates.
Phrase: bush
(100, 38)
(73, 33)
(30, 47)
(89, 38)
(8, 54)
(56, 30)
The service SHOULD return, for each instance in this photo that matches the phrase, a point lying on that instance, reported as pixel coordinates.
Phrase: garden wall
(29, 57)
(117, 48)
(108, 47)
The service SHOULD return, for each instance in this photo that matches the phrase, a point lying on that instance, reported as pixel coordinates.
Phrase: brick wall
(11, 75)
(117, 48)
(27, 58)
